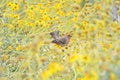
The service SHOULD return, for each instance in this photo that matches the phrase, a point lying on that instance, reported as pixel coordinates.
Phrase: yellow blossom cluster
(28, 53)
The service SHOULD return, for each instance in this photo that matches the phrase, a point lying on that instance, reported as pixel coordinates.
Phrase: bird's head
(69, 35)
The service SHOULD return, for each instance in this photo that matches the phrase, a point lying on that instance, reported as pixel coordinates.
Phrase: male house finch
(62, 41)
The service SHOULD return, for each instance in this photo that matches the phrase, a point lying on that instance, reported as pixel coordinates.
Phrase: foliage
(26, 51)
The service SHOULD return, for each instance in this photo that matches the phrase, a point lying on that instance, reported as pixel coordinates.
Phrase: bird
(62, 41)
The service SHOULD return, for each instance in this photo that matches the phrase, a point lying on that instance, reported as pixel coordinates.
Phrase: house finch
(62, 41)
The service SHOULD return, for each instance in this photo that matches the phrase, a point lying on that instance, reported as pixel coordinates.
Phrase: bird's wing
(55, 34)
(63, 40)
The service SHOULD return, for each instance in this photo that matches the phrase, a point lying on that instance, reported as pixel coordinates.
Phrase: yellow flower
(58, 46)
(27, 78)
(30, 14)
(107, 46)
(52, 69)
(46, 74)
(0, 43)
(25, 64)
(58, 6)
(101, 24)
(78, 1)
(41, 11)
(73, 58)
(2, 69)
(30, 24)
(79, 69)
(16, 16)
(97, 6)
(18, 48)
(84, 23)
(4, 57)
(39, 4)
(108, 1)
(61, 13)
(85, 58)
(112, 76)
(114, 24)
(14, 6)
(56, 18)
(92, 75)
(75, 19)
(76, 26)
(46, 17)
(80, 79)
(9, 47)
(69, 13)
(9, 4)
